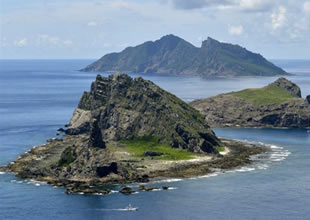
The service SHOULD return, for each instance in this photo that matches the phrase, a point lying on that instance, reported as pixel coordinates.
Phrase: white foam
(262, 166)
(156, 189)
(171, 188)
(167, 180)
(245, 169)
(275, 147)
(2, 173)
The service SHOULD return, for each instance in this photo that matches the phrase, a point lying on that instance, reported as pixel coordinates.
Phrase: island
(277, 105)
(127, 130)
(171, 55)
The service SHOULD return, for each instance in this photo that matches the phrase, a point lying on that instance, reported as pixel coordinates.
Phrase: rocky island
(172, 55)
(278, 104)
(129, 130)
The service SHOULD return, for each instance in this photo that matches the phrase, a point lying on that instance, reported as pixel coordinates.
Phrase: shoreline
(237, 154)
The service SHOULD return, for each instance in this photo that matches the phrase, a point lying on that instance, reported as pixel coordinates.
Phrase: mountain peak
(170, 37)
(210, 42)
(288, 86)
(175, 56)
(119, 107)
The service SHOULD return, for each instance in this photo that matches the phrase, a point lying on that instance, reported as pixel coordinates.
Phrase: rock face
(276, 105)
(288, 86)
(119, 107)
(173, 55)
(308, 99)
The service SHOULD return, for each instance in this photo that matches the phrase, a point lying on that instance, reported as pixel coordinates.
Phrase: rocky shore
(33, 165)
(278, 105)
(126, 131)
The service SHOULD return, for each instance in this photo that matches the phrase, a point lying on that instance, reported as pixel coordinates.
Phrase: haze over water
(39, 96)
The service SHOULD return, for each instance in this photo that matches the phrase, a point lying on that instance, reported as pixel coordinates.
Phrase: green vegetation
(220, 148)
(212, 59)
(66, 157)
(139, 145)
(264, 96)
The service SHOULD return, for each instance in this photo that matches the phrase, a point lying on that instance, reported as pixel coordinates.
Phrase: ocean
(39, 96)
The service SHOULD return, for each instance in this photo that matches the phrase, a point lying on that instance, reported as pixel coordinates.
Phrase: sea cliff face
(277, 105)
(175, 56)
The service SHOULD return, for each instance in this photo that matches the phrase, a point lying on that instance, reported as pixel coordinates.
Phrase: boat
(130, 208)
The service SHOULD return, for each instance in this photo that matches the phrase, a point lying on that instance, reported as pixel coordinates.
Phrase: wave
(120, 209)
(167, 180)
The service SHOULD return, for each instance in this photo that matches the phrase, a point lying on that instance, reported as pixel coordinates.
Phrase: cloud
(278, 18)
(47, 40)
(3, 42)
(92, 24)
(21, 43)
(194, 4)
(44, 39)
(306, 7)
(235, 30)
(243, 5)
(122, 4)
(67, 42)
(255, 5)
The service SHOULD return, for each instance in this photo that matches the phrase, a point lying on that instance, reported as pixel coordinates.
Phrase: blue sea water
(38, 96)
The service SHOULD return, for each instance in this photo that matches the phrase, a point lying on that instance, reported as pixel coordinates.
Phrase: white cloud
(3, 42)
(235, 30)
(92, 24)
(21, 43)
(306, 7)
(67, 42)
(123, 4)
(278, 18)
(255, 5)
(45, 39)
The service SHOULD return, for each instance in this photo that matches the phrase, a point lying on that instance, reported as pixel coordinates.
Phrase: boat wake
(129, 208)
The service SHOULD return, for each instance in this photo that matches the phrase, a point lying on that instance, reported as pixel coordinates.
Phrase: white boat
(130, 208)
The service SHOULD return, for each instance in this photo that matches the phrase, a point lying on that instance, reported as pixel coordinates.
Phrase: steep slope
(277, 105)
(173, 55)
(119, 107)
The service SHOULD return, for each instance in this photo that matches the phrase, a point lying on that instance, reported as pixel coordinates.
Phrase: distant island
(172, 55)
(278, 104)
(128, 130)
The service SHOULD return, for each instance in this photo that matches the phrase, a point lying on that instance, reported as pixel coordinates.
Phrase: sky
(78, 29)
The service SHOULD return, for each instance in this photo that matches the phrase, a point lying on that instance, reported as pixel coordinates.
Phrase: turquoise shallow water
(38, 97)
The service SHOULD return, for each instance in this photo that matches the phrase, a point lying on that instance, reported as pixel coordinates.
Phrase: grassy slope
(264, 96)
(138, 146)
(220, 148)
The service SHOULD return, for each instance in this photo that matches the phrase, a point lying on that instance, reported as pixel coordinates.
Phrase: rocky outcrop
(288, 86)
(283, 107)
(308, 99)
(173, 55)
(119, 107)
